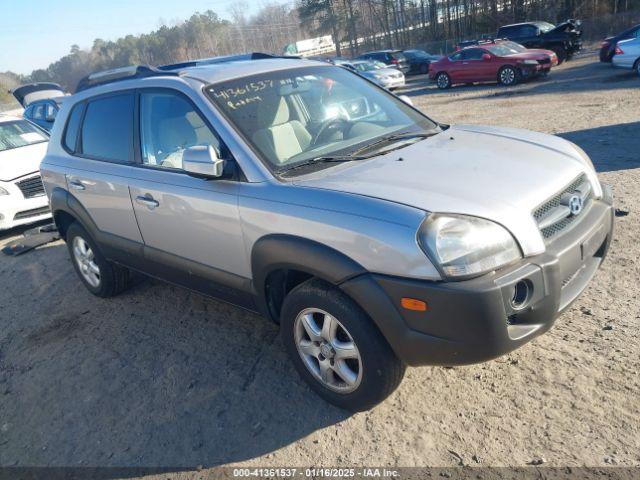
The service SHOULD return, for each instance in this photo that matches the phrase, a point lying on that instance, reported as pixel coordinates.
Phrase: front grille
(553, 216)
(31, 187)
(546, 61)
(34, 212)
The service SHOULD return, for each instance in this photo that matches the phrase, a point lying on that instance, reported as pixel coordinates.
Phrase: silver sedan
(628, 55)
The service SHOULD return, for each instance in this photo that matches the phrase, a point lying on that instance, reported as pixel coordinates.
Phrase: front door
(190, 226)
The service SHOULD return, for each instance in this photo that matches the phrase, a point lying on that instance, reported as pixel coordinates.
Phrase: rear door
(190, 226)
(99, 137)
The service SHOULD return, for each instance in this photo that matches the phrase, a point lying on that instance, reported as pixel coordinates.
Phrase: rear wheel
(443, 81)
(508, 76)
(336, 348)
(101, 277)
(637, 67)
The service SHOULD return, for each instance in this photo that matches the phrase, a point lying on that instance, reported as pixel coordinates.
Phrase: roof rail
(222, 59)
(117, 74)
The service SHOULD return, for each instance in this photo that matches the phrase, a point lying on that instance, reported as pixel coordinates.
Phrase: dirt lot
(163, 377)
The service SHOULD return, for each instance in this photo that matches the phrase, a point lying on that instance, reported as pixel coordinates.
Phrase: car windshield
(515, 47)
(19, 133)
(545, 27)
(500, 50)
(293, 116)
(368, 66)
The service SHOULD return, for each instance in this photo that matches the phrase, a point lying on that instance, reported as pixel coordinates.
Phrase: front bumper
(473, 321)
(393, 83)
(15, 210)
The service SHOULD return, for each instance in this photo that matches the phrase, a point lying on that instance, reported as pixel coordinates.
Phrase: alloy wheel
(443, 80)
(507, 76)
(328, 350)
(85, 259)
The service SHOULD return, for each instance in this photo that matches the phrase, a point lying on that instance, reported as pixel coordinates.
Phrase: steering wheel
(329, 127)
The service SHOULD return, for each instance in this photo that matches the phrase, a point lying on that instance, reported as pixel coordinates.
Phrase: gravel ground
(160, 376)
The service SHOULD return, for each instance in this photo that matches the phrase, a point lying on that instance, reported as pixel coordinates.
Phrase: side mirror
(486, 56)
(406, 100)
(202, 161)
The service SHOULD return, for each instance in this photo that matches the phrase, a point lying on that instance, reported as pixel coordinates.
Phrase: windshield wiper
(325, 159)
(393, 138)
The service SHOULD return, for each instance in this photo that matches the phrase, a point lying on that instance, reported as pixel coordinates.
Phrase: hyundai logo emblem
(575, 205)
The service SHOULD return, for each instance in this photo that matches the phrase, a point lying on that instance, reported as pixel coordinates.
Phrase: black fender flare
(289, 252)
(62, 201)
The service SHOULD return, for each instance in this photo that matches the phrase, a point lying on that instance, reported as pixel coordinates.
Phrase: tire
(372, 371)
(637, 67)
(443, 81)
(86, 257)
(508, 76)
(561, 53)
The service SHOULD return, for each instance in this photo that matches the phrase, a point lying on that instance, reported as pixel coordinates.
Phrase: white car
(22, 196)
(379, 73)
(628, 55)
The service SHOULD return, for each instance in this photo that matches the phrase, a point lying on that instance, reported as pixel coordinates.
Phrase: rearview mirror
(406, 100)
(202, 161)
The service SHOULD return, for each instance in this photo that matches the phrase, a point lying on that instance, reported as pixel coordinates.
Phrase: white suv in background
(22, 196)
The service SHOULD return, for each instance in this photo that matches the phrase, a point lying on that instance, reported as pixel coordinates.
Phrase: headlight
(3, 191)
(466, 246)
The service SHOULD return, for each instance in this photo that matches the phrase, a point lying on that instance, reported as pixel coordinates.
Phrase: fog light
(521, 294)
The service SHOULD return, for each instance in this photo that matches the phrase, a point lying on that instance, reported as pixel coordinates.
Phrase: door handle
(147, 201)
(77, 185)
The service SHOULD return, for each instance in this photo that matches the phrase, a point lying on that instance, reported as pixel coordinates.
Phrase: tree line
(354, 26)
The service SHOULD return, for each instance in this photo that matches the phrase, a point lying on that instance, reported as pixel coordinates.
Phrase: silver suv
(374, 236)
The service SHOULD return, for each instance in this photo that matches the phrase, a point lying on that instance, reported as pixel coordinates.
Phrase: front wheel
(443, 81)
(336, 348)
(508, 76)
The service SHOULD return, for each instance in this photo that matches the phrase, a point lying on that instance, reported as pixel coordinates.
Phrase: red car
(485, 63)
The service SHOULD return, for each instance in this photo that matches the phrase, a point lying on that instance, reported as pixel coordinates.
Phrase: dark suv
(393, 58)
(564, 39)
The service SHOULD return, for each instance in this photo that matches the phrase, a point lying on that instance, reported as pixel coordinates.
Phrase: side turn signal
(414, 304)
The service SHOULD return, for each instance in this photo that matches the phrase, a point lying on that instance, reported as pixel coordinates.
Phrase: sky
(35, 33)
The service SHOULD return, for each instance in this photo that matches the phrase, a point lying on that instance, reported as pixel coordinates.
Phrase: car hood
(385, 71)
(537, 53)
(568, 26)
(501, 174)
(18, 162)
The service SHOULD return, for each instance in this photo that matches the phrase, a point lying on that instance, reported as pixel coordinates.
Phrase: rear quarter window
(107, 129)
(73, 127)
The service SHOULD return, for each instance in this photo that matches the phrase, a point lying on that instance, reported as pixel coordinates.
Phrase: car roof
(243, 68)
(537, 22)
(206, 71)
(388, 50)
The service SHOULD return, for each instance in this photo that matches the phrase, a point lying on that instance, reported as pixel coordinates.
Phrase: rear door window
(107, 130)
